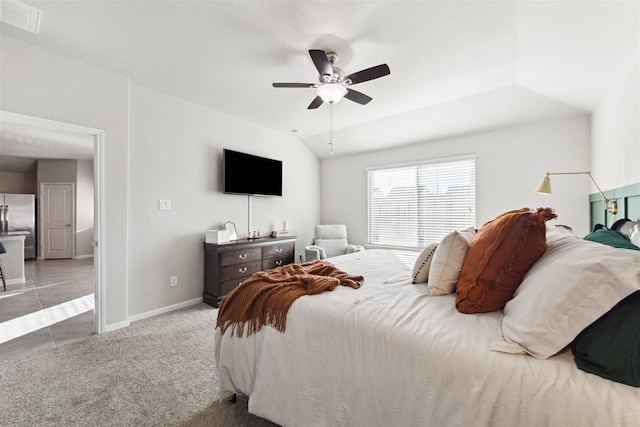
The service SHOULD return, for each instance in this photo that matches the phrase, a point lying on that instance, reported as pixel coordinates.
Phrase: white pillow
(635, 235)
(423, 264)
(447, 261)
(568, 288)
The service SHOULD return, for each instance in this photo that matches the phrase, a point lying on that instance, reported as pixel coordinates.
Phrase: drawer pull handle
(242, 270)
(242, 256)
(279, 250)
(279, 262)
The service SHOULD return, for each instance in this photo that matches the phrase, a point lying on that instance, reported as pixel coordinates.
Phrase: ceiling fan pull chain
(331, 128)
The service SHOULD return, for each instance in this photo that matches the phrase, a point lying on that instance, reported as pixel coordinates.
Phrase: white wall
(41, 83)
(509, 165)
(17, 183)
(615, 150)
(175, 154)
(84, 208)
(171, 156)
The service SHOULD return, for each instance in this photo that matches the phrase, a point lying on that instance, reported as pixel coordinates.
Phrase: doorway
(96, 138)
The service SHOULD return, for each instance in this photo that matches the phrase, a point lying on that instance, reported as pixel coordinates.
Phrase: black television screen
(248, 174)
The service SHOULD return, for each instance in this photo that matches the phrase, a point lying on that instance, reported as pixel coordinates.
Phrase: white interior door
(57, 220)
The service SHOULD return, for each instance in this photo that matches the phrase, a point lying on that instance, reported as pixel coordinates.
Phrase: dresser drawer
(240, 256)
(240, 270)
(229, 285)
(269, 263)
(279, 250)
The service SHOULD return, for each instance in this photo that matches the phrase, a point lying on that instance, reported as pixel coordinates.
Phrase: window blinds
(413, 205)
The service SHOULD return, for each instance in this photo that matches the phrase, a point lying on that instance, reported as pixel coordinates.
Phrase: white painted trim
(115, 326)
(16, 281)
(22, 119)
(423, 162)
(84, 256)
(99, 250)
(166, 309)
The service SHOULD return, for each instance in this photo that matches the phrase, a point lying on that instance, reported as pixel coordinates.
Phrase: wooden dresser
(228, 264)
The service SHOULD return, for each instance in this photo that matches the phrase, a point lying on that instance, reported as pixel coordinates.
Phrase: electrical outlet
(173, 281)
(164, 205)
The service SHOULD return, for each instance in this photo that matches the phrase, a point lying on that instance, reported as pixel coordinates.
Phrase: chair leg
(4, 281)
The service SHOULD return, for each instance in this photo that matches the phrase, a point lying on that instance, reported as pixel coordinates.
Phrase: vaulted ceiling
(456, 66)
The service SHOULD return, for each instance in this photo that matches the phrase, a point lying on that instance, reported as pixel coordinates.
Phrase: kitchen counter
(13, 260)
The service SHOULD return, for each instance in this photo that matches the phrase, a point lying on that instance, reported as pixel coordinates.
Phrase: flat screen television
(245, 173)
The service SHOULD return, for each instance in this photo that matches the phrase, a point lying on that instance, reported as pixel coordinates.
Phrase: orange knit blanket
(265, 297)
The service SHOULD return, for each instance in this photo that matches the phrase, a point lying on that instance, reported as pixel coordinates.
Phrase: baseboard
(166, 309)
(84, 256)
(16, 281)
(115, 326)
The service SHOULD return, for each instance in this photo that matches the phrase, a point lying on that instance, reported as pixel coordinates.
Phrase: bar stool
(4, 281)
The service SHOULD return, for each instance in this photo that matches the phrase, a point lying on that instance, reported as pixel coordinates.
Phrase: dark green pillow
(610, 346)
(611, 238)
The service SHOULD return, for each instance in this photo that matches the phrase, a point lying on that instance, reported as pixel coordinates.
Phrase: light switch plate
(164, 205)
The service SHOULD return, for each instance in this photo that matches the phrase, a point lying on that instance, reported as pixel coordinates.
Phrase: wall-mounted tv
(245, 173)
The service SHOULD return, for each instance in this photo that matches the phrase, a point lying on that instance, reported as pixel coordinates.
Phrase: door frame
(74, 206)
(99, 250)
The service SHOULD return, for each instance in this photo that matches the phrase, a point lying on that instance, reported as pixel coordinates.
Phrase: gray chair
(330, 241)
(4, 281)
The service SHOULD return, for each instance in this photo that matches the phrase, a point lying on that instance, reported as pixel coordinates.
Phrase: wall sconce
(545, 188)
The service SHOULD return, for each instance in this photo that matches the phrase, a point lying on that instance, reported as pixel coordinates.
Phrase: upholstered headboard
(628, 199)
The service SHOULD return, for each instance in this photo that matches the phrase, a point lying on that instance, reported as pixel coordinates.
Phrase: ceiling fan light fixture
(331, 92)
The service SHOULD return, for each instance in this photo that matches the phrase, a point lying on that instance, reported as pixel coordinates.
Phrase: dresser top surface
(236, 244)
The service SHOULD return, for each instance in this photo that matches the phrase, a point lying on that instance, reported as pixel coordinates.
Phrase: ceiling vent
(20, 15)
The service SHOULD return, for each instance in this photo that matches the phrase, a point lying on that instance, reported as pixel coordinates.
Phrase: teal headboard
(628, 199)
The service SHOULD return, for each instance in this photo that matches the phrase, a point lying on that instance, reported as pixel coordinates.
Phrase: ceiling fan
(333, 84)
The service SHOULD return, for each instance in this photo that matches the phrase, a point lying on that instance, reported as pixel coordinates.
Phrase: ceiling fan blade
(321, 62)
(369, 74)
(317, 101)
(293, 85)
(359, 97)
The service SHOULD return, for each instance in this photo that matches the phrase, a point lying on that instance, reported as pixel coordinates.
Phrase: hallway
(54, 306)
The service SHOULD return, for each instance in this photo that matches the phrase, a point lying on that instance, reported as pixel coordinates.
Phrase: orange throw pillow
(501, 254)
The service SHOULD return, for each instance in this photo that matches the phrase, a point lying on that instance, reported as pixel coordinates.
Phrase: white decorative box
(217, 236)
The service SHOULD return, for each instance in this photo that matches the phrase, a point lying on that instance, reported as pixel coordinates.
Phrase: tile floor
(53, 307)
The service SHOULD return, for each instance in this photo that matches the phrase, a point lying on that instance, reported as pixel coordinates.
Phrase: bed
(392, 353)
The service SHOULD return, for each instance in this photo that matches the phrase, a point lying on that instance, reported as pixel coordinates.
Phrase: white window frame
(464, 221)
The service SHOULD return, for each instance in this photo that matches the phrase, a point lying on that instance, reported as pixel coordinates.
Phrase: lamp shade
(545, 186)
(331, 92)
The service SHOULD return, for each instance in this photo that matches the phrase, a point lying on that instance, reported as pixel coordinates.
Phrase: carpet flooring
(159, 371)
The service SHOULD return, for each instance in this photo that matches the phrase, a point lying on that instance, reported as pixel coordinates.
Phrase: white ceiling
(456, 66)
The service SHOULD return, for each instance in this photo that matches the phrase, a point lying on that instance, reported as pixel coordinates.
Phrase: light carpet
(159, 371)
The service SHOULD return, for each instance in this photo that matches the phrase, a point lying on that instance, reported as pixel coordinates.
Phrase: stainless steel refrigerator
(18, 217)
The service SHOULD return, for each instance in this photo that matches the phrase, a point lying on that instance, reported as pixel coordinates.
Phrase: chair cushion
(314, 252)
(333, 247)
(331, 231)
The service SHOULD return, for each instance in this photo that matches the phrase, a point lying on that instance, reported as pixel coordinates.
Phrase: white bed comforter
(388, 354)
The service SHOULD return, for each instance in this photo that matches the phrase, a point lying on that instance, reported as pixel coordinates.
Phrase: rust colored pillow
(501, 254)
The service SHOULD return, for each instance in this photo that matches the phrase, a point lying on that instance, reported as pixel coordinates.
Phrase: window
(413, 205)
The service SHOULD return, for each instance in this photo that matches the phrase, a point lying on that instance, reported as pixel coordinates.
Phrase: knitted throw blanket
(265, 297)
